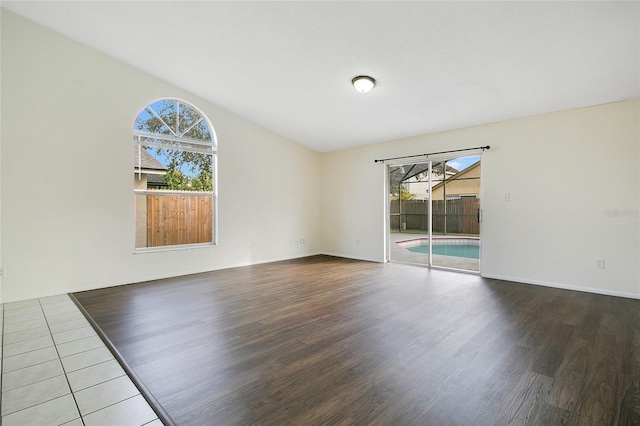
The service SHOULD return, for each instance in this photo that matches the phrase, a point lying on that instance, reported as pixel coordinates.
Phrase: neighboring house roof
(148, 163)
(459, 175)
(156, 180)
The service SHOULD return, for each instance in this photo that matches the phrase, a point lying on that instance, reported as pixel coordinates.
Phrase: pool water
(457, 250)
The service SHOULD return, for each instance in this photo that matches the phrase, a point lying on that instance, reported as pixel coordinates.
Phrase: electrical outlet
(507, 196)
(600, 264)
(254, 244)
(302, 241)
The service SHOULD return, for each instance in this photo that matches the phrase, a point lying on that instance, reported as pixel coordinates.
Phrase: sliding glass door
(434, 213)
(409, 213)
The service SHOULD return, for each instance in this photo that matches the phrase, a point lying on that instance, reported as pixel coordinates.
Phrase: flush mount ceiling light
(363, 83)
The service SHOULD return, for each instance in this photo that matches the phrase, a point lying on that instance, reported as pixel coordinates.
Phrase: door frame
(430, 160)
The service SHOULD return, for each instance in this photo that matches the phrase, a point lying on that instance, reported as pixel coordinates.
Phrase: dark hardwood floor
(324, 340)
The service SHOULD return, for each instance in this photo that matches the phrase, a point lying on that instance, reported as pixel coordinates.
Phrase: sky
(161, 108)
(462, 163)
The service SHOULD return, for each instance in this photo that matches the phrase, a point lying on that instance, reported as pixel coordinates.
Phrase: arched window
(175, 176)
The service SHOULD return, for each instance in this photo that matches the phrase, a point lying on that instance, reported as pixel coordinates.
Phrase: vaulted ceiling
(439, 65)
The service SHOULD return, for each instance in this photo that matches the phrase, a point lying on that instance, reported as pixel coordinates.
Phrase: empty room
(320, 213)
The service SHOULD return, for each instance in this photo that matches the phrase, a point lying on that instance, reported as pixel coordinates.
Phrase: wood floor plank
(524, 400)
(324, 340)
(630, 409)
(571, 376)
(603, 383)
(496, 386)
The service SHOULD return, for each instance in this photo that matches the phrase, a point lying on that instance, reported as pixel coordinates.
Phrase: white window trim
(209, 148)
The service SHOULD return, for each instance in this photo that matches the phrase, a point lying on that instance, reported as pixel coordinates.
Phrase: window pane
(166, 220)
(173, 118)
(174, 169)
(191, 125)
(198, 131)
(174, 175)
(149, 122)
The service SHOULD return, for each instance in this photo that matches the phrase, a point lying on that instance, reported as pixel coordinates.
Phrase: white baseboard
(563, 286)
(156, 277)
(282, 259)
(240, 264)
(344, 256)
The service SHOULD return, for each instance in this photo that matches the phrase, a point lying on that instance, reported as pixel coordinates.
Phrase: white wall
(66, 167)
(66, 207)
(553, 228)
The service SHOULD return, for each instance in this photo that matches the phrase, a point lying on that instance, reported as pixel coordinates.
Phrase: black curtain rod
(433, 153)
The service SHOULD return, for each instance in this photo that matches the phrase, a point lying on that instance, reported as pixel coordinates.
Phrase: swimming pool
(458, 247)
(457, 250)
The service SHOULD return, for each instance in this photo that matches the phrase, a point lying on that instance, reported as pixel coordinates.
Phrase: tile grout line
(115, 403)
(92, 365)
(66, 377)
(32, 365)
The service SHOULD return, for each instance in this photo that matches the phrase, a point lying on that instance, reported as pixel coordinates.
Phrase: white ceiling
(440, 65)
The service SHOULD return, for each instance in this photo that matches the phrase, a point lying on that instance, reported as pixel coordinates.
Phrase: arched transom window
(175, 177)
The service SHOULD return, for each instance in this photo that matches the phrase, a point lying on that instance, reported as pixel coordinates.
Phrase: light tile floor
(55, 370)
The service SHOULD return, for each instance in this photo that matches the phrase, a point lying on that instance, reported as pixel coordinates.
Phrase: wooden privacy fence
(178, 219)
(461, 216)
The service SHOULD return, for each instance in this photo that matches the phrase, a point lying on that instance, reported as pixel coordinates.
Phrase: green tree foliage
(404, 195)
(178, 181)
(179, 121)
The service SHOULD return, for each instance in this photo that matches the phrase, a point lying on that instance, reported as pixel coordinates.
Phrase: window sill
(173, 248)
